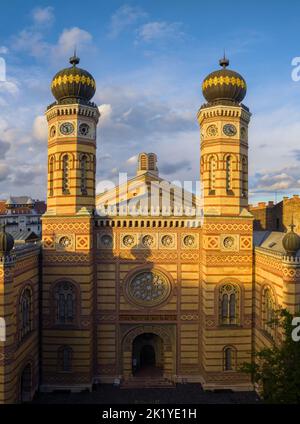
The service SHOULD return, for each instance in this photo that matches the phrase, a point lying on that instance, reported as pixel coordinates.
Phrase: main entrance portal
(149, 351)
(147, 355)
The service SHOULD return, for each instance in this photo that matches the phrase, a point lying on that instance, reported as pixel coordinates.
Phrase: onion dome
(6, 242)
(224, 85)
(291, 242)
(73, 83)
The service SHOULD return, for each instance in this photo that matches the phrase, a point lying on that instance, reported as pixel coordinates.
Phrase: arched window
(228, 166)
(244, 177)
(51, 171)
(65, 298)
(212, 174)
(65, 175)
(83, 174)
(26, 312)
(143, 162)
(65, 354)
(229, 358)
(229, 304)
(268, 312)
(151, 162)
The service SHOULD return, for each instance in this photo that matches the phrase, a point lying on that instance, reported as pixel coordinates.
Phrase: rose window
(148, 288)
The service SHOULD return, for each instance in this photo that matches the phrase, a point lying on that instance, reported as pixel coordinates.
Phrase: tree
(276, 370)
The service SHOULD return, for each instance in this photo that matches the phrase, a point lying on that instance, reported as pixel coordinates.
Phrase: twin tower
(72, 122)
(77, 277)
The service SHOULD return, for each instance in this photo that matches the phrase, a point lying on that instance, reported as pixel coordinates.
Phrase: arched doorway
(147, 355)
(161, 337)
(26, 384)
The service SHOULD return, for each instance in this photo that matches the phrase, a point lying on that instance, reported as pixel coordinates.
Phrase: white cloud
(132, 160)
(40, 128)
(9, 87)
(123, 18)
(31, 42)
(72, 38)
(43, 15)
(158, 30)
(105, 112)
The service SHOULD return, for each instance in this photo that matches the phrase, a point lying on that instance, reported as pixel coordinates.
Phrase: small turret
(291, 241)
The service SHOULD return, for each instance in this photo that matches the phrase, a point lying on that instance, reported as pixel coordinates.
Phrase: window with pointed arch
(212, 164)
(26, 313)
(65, 355)
(65, 303)
(229, 358)
(228, 168)
(268, 311)
(51, 175)
(229, 298)
(65, 174)
(244, 177)
(83, 174)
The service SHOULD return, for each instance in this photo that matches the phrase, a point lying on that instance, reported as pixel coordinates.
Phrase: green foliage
(276, 370)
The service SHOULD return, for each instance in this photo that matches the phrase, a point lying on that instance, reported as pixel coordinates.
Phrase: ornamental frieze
(106, 317)
(79, 227)
(67, 259)
(224, 227)
(189, 317)
(228, 260)
(139, 318)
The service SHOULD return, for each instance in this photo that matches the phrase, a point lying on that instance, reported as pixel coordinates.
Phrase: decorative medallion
(229, 130)
(128, 241)
(148, 288)
(147, 241)
(65, 242)
(106, 240)
(228, 242)
(66, 128)
(212, 131)
(189, 241)
(84, 129)
(167, 241)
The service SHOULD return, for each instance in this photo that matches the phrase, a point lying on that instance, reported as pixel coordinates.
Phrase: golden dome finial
(74, 60)
(224, 62)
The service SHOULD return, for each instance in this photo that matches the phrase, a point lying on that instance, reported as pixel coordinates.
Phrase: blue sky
(149, 59)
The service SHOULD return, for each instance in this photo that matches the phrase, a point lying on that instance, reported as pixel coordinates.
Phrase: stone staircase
(147, 383)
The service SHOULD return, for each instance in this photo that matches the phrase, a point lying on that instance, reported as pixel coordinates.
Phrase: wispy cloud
(160, 30)
(43, 16)
(123, 18)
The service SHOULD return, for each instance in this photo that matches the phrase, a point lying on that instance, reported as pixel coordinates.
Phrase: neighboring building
(21, 214)
(277, 217)
(188, 297)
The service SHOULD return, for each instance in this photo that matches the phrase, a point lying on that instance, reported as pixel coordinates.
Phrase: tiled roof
(24, 235)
